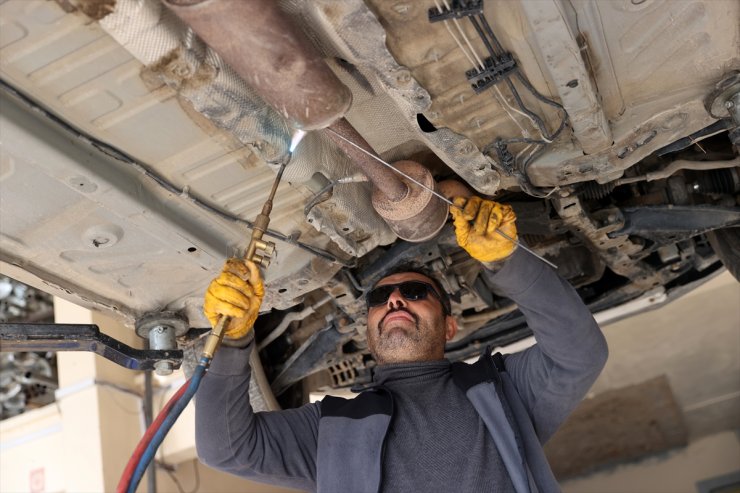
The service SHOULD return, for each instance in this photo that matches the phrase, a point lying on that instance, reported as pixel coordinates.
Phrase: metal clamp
(495, 70)
(162, 329)
(458, 9)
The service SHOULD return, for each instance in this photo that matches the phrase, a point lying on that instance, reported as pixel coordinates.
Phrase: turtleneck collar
(410, 373)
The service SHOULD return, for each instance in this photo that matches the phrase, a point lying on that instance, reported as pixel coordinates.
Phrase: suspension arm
(16, 337)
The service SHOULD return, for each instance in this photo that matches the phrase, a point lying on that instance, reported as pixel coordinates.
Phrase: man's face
(403, 331)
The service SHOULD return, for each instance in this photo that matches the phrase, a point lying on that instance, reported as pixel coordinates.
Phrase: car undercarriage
(139, 139)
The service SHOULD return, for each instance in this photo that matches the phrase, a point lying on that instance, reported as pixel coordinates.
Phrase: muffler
(411, 211)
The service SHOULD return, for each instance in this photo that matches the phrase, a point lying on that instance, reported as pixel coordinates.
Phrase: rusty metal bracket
(17, 337)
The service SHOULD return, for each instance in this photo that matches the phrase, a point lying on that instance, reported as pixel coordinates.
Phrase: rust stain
(618, 425)
(95, 9)
(332, 12)
(178, 72)
(182, 75)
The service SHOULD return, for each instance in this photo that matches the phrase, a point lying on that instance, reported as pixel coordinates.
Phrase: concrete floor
(695, 342)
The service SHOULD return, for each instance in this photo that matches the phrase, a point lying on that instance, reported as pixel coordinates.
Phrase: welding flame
(296, 139)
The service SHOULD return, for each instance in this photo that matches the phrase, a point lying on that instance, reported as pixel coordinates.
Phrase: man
(426, 424)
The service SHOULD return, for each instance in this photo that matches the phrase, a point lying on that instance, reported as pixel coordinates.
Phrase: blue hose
(158, 437)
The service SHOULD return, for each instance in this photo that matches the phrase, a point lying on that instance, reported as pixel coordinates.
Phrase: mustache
(399, 309)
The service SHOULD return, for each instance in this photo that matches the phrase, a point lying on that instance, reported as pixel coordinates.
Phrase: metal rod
(442, 197)
(388, 165)
(526, 248)
(263, 219)
(357, 149)
(148, 414)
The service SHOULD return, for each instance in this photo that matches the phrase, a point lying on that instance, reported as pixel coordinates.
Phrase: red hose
(144, 442)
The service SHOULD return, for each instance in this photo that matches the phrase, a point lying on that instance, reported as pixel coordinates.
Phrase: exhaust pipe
(290, 75)
(412, 212)
(268, 51)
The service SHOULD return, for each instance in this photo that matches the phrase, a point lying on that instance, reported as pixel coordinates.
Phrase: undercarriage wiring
(500, 66)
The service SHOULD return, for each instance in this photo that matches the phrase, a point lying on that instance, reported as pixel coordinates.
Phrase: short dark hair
(444, 297)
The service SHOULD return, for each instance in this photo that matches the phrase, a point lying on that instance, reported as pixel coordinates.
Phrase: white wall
(695, 342)
(82, 442)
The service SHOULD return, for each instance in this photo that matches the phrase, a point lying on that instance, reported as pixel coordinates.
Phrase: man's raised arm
(277, 447)
(554, 375)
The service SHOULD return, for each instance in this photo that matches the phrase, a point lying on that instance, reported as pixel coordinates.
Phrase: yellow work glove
(237, 293)
(476, 224)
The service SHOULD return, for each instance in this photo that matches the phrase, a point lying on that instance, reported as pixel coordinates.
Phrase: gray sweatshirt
(343, 445)
(436, 440)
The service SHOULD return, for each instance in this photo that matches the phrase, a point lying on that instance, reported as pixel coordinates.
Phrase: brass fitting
(213, 341)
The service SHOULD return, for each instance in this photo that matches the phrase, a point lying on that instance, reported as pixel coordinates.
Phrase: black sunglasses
(410, 290)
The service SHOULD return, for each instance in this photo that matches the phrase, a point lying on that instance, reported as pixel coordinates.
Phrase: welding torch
(259, 251)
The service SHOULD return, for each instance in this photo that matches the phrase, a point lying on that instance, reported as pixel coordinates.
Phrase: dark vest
(352, 432)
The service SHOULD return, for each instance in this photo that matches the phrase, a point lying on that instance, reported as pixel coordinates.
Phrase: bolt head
(403, 77)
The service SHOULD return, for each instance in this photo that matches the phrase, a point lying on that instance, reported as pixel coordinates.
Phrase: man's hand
(237, 293)
(480, 238)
